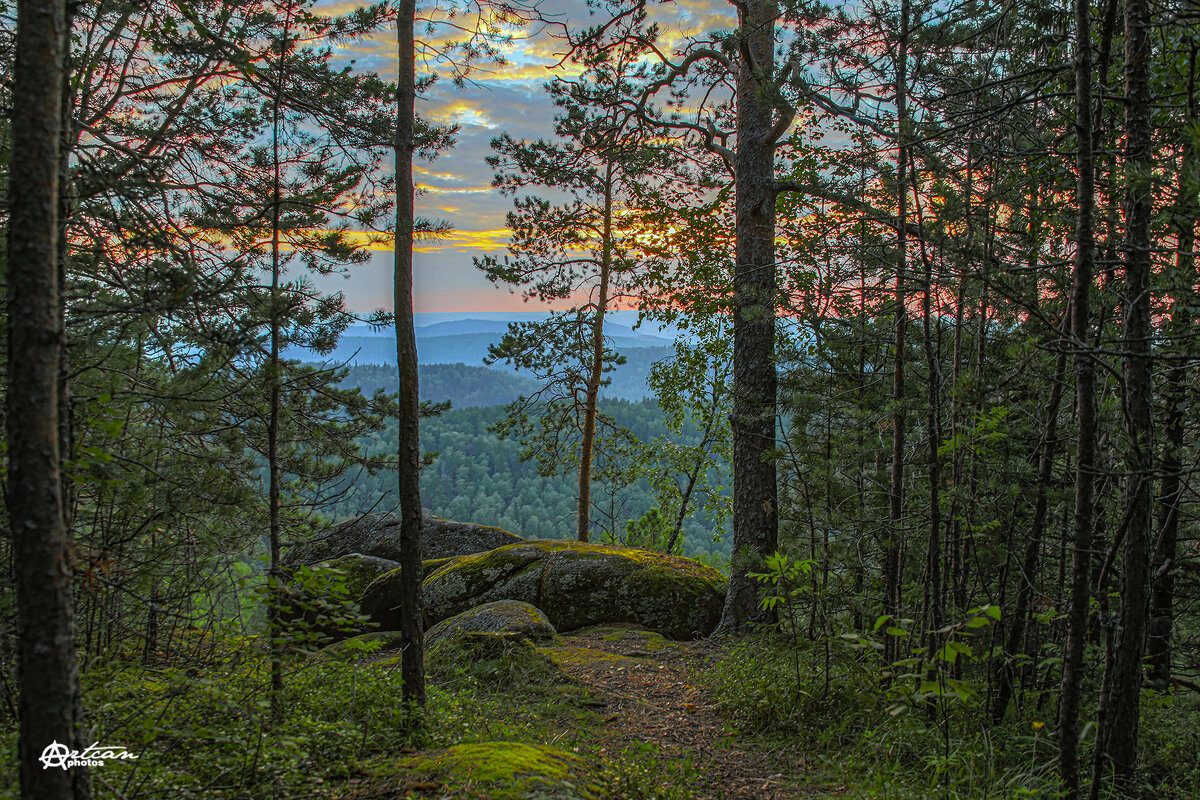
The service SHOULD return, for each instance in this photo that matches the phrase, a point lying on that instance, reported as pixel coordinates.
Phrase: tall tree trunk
(408, 466)
(43, 550)
(755, 510)
(934, 587)
(274, 473)
(82, 786)
(893, 545)
(584, 515)
(1085, 402)
(1158, 639)
(1138, 509)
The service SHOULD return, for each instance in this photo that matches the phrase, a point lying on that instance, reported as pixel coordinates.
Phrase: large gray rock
(359, 571)
(500, 616)
(577, 585)
(379, 535)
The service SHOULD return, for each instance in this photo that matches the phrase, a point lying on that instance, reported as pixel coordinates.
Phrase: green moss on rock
(358, 571)
(567, 656)
(500, 616)
(490, 658)
(362, 646)
(380, 598)
(503, 771)
(578, 585)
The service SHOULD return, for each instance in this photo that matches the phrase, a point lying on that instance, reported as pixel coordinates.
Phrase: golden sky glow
(456, 187)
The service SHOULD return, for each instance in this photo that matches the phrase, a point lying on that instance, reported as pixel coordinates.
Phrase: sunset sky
(457, 185)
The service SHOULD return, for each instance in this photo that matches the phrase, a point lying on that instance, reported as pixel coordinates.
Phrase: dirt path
(650, 690)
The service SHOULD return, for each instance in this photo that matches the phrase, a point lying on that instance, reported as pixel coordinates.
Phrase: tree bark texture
(893, 545)
(592, 389)
(409, 448)
(43, 550)
(1138, 515)
(1162, 599)
(1085, 409)
(755, 509)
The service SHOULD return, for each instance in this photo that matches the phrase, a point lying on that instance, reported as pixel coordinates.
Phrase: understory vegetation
(866, 734)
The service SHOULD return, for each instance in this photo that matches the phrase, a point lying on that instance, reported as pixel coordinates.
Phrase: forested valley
(843, 447)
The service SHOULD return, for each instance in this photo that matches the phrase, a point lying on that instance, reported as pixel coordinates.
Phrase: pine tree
(576, 252)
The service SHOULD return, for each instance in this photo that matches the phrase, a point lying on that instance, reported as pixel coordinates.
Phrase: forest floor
(653, 691)
(629, 704)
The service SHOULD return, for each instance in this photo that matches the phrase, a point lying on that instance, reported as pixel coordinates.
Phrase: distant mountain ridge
(627, 335)
(465, 342)
(464, 386)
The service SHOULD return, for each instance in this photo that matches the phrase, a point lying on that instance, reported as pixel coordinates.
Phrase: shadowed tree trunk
(893, 549)
(1085, 409)
(409, 448)
(43, 549)
(1122, 738)
(1158, 634)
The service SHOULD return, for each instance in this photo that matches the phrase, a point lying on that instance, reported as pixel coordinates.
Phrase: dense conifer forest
(888, 495)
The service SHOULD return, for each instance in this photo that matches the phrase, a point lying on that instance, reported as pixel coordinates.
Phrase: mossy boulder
(499, 771)
(380, 599)
(358, 571)
(321, 600)
(496, 659)
(363, 646)
(501, 616)
(577, 585)
(379, 535)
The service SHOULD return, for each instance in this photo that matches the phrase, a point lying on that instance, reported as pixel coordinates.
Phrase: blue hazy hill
(465, 341)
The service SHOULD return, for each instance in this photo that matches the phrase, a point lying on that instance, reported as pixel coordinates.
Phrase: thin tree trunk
(408, 467)
(755, 502)
(893, 546)
(934, 588)
(43, 549)
(274, 473)
(583, 519)
(1085, 399)
(1158, 639)
(1138, 516)
(693, 476)
(82, 785)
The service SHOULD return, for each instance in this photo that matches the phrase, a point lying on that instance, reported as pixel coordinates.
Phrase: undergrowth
(857, 738)
(203, 732)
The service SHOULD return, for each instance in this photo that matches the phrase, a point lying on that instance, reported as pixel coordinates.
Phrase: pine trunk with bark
(755, 507)
(893, 547)
(1162, 599)
(592, 389)
(1137, 517)
(1085, 409)
(43, 549)
(408, 466)
(274, 472)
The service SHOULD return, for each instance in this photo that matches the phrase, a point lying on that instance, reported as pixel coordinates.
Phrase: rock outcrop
(577, 585)
(500, 616)
(358, 571)
(378, 535)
